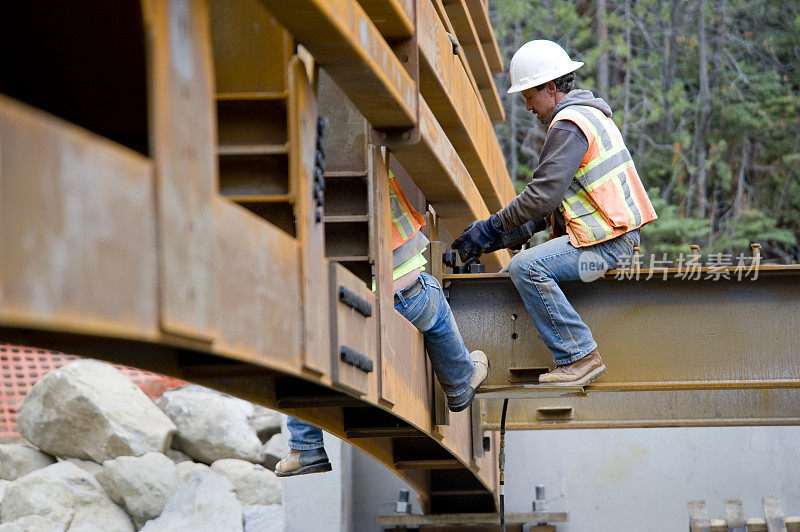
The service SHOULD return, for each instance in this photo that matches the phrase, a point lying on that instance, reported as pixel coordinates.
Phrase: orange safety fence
(22, 367)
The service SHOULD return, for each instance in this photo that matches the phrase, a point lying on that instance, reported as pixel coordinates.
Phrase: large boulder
(140, 484)
(60, 489)
(4, 484)
(205, 503)
(211, 425)
(274, 450)
(178, 456)
(17, 460)
(254, 483)
(266, 422)
(38, 523)
(259, 518)
(87, 465)
(187, 469)
(90, 410)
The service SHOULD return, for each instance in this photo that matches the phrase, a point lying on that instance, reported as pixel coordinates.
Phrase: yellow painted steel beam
(445, 86)
(452, 192)
(344, 40)
(627, 409)
(480, 16)
(468, 39)
(393, 18)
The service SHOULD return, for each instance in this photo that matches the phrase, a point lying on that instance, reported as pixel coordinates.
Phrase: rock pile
(107, 458)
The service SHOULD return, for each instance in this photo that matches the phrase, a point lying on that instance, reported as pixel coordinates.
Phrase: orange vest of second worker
(405, 220)
(606, 198)
(408, 244)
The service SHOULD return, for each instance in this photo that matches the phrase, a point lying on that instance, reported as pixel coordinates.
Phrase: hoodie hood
(582, 97)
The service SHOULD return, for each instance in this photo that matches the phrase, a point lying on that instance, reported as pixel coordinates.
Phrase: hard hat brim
(544, 78)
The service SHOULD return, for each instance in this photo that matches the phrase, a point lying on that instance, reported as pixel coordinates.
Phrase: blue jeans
(424, 305)
(302, 436)
(536, 272)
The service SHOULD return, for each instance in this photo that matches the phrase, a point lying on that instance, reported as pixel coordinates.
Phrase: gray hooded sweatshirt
(563, 150)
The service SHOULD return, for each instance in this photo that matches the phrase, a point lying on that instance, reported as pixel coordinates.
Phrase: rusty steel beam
(54, 257)
(446, 87)
(344, 40)
(470, 42)
(448, 25)
(221, 296)
(341, 37)
(732, 345)
(393, 18)
(483, 26)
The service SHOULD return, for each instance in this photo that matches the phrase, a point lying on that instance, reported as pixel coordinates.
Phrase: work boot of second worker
(482, 369)
(303, 463)
(579, 373)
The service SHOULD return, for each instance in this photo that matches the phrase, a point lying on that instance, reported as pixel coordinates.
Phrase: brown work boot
(579, 373)
(303, 463)
(482, 369)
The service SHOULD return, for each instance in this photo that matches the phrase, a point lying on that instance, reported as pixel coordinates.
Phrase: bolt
(404, 58)
(384, 136)
(406, 135)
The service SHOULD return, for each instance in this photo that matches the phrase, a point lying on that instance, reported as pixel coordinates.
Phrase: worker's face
(541, 102)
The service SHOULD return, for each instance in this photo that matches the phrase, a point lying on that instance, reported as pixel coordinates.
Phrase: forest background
(707, 96)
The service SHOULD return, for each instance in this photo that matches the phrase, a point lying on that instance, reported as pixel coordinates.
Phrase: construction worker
(585, 188)
(419, 298)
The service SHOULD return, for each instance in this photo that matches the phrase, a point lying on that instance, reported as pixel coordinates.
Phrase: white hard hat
(538, 62)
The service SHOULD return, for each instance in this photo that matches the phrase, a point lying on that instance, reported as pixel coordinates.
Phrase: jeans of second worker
(428, 310)
(302, 436)
(536, 273)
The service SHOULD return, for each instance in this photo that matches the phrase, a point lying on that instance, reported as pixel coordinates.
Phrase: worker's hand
(476, 236)
(516, 237)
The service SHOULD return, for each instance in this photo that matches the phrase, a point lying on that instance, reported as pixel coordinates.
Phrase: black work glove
(476, 236)
(516, 237)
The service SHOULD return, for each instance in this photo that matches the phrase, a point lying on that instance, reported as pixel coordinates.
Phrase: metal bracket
(472, 265)
(394, 137)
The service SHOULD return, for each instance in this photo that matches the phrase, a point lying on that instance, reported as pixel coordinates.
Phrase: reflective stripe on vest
(606, 198)
(406, 221)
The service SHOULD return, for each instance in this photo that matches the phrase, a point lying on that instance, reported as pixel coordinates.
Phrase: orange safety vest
(606, 198)
(406, 221)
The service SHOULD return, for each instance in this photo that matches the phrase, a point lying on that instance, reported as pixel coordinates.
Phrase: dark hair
(563, 84)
